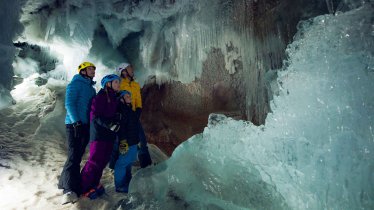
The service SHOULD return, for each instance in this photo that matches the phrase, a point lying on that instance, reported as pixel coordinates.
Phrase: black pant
(70, 179)
(114, 155)
(143, 152)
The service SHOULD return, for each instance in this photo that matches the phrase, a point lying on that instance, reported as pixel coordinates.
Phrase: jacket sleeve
(71, 101)
(138, 98)
(95, 114)
(138, 112)
(103, 122)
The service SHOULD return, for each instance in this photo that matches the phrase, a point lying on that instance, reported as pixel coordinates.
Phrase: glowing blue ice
(315, 150)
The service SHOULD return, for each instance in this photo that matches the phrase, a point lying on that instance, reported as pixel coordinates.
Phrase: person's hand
(123, 146)
(77, 129)
(114, 126)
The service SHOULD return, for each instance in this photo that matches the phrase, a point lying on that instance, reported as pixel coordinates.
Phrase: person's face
(123, 74)
(115, 85)
(130, 71)
(90, 71)
(127, 98)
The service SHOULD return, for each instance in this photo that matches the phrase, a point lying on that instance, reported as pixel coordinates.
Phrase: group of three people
(111, 117)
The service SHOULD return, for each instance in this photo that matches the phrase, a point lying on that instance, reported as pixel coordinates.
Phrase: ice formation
(315, 150)
(174, 36)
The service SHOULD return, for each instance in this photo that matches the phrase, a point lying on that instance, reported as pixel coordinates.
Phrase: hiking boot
(100, 190)
(69, 197)
(122, 189)
(91, 194)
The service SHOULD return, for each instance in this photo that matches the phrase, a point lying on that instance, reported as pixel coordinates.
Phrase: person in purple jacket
(104, 123)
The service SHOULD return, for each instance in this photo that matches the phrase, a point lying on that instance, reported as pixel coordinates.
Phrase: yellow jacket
(134, 88)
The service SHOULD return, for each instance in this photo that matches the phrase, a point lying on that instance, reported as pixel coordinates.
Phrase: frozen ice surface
(315, 150)
(175, 36)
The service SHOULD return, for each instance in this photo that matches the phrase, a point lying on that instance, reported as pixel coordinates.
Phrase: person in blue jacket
(79, 94)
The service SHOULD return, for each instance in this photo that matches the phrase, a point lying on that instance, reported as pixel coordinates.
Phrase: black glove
(77, 129)
(114, 126)
(138, 112)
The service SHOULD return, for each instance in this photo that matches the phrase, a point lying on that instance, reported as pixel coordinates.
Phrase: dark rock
(40, 81)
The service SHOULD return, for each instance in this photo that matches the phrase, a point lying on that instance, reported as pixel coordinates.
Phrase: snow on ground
(33, 152)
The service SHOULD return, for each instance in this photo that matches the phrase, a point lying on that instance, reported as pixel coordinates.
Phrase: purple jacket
(103, 111)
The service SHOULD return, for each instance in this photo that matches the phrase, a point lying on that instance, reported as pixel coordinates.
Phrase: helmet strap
(107, 95)
(121, 75)
(110, 86)
(81, 73)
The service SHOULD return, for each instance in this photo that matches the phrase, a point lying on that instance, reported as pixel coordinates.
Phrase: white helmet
(122, 67)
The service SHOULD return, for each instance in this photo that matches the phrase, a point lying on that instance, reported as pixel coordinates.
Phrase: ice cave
(247, 104)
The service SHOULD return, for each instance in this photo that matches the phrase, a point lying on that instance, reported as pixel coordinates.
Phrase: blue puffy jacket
(79, 94)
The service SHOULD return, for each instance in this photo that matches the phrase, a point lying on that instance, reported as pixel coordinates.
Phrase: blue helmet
(108, 78)
(123, 92)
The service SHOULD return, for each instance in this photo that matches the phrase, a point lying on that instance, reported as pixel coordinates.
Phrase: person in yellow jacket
(126, 72)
